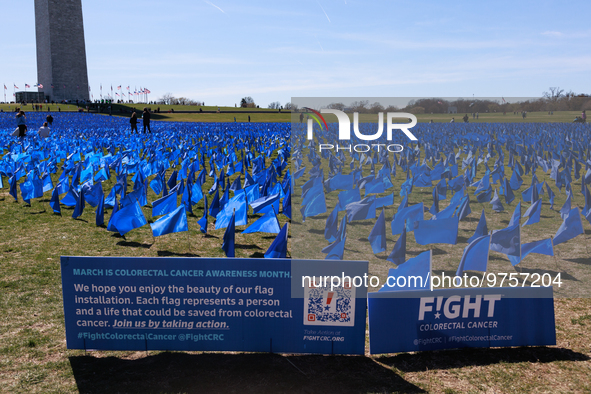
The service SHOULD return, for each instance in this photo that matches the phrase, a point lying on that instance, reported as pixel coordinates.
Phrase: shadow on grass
(166, 253)
(580, 260)
(451, 359)
(553, 273)
(236, 373)
(435, 251)
(242, 246)
(36, 213)
(134, 244)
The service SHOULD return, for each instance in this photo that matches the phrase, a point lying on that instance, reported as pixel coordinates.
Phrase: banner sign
(211, 304)
(405, 321)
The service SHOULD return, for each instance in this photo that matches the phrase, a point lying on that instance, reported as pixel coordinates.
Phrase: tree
(554, 94)
(167, 99)
(291, 106)
(275, 105)
(247, 102)
(359, 106)
(376, 108)
(337, 106)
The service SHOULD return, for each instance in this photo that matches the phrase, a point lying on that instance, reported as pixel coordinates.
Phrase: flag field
(33, 354)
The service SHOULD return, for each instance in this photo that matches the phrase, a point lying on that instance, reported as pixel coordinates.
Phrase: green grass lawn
(286, 116)
(34, 358)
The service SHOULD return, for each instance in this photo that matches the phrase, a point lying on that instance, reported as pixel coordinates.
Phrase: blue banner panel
(209, 304)
(405, 321)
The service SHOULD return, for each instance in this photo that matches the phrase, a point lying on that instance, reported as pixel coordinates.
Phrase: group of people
(145, 118)
(21, 123)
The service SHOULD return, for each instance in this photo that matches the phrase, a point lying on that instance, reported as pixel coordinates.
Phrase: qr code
(326, 307)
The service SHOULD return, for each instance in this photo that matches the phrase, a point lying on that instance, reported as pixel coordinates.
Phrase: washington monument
(61, 52)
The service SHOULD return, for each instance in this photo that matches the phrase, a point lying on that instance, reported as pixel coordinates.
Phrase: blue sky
(219, 51)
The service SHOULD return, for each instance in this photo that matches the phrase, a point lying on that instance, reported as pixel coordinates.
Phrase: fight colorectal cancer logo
(344, 134)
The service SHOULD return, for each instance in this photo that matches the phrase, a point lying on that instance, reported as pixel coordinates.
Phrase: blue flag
(165, 205)
(236, 209)
(173, 222)
(442, 190)
(129, 218)
(550, 195)
(509, 196)
(268, 223)
(398, 254)
(92, 193)
(377, 236)
(485, 195)
(496, 203)
(156, 184)
(441, 231)
(566, 208)
(229, 236)
(411, 214)
(278, 249)
(515, 181)
(533, 213)
(196, 193)
(544, 246)
(100, 212)
(203, 221)
(266, 204)
(507, 241)
(79, 206)
(362, 210)
(335, 250)
(71, 198)
(331, 229)
(475, 257)
(346, 197)
(286, 204)
(435, 207)
(481, 228)
(411, 275)
(111, 222)
(516, 217)
(375, 186)
(214, 208)
(237, 184)
(570, 228)
(464, 208)
(385, 201)
(55, 201)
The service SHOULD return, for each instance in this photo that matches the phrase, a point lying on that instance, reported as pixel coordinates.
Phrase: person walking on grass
(133, 122)
(21, 122)
(146, 118)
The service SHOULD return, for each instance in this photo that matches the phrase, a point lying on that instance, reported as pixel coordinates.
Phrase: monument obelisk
(61, 51)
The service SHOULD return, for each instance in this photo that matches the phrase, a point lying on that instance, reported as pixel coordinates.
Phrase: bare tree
(291, 106)
(554, 94)
(337, 106)
(376, 108)
(167, 98)
(275, 105)
(360, 106)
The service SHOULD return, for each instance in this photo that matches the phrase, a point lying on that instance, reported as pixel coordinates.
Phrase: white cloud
(551, 33)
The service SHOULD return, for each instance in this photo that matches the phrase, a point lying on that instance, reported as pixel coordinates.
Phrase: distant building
(29, 97)
(452, 110)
